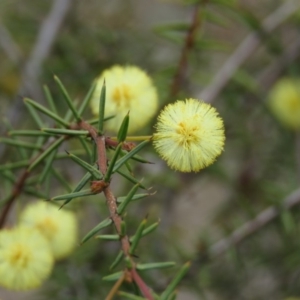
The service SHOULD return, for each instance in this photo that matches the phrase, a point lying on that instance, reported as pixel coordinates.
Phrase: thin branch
(9, 46)
(19, 184)
(115, 288)
(249, 228)
(269, 75)
(44, 42)
(111, 201)
(246, 49)
(188, 45)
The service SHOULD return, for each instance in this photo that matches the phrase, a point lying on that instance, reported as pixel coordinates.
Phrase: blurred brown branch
(32, 69)
(245, 49)
(261, 220)
(188, 45)
(9, 46)
(44, 42)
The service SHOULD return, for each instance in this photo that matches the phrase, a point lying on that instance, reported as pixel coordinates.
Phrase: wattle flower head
(189, 135)
(58, 226)
(284, 102)
(128, 88)
(26, 259)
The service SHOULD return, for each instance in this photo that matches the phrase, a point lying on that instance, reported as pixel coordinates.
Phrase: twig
(262, 219)
(111, 201)
(9, 46)
(44, 42)
(33, 66)
(188, 45)
(268, 76)
(115, 288)
(245, 49)
(18, 187)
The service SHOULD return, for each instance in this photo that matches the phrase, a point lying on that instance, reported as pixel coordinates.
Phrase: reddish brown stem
(188, 45)
(15, 193)
(19, 186)
(111, 201)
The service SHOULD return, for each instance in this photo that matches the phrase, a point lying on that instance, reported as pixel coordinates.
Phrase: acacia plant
(189, 136)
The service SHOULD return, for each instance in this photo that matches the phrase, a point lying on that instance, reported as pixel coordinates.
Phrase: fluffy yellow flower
(127, 89)
(284, 102)
(58, 226)
(190, 135)
(26, 259)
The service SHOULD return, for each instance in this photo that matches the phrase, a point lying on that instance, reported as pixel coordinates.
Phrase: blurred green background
(226, 52)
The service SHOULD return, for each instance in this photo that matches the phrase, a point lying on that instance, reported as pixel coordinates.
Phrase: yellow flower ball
(58, 226)
(190, 135)
(26, 259)
(128, 88)
(284, 102)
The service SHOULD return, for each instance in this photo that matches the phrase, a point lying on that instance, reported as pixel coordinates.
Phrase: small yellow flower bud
(26, 259)
(284, 102)
(190, 135)
(128, 89)
(58, 226)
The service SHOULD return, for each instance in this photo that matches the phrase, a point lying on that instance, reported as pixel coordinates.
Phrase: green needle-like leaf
(21, 150)
(132, 179)
(172, 286)
(14, 165)
(134, 198)
(96, 173)
(59, 176)
(138, 158)
(56, 131)
(129, 155)
(40, 141)
(63, 155)
(47, 167)
(95, 122)
(113, 277)
(112, 163)
(122, 133)
(173, 296)
(49, 99)
(117, 260)
(108, 237)
(100, 226)
(86, 146)
(137, 236)
(28, 133)
(128, 198)
(147, 230)
(13, 142)
(67, 99)
(83, 193)
(130, 296)
(34, 192)
(102, 108)
(51, 148)
(47, 112)
(123, 229)
(84, 180)
(34, 115)
(8, 175)
(158, 265)
(87, 99)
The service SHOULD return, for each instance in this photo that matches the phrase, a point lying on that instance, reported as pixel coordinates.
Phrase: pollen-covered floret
(58, 226)
(189, 135)
(128, 89)
(26, 259)
(284, 102)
